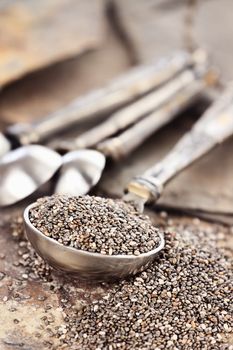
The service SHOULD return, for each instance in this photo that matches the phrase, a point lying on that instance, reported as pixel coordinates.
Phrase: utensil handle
(124, 89)
(212, 128)
(120, 146)
(131, 114)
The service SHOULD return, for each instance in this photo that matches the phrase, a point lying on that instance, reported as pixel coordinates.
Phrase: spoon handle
(120, 146)
(132, 113)
(211, 129)
(120, 91)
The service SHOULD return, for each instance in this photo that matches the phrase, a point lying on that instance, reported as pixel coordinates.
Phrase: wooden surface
(31, 308)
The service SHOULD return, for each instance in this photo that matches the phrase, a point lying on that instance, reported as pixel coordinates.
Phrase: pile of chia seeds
(95, 224)
(182, 302)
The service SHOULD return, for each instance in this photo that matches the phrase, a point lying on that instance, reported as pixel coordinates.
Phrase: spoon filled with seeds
(94, 237)
(98, 238)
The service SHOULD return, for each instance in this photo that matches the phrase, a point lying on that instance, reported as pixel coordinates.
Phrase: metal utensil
(120, 91)
(212, 128)
(82, 169)
(72, 180)
(125, 117)
(93, 266)
(30, 167)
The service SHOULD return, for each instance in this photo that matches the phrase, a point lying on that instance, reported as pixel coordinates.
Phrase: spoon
(122, 90)
(90, 161)
(82, 169)
(212, 128)
(37, 166)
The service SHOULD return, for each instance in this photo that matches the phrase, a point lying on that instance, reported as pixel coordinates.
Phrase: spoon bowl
(81, 170)
(24, 170)
(86, 265)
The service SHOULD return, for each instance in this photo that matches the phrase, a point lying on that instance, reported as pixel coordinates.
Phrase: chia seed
(95, 224)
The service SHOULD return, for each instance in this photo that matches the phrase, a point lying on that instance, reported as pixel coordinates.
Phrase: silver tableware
(30, 167)
(212, 128)
(93, 266)
(127, 116)
(82, 169)
(93, 105)
(78, 174)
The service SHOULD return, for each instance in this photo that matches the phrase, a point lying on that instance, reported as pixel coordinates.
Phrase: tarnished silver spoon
(212, 128)
(30, 167)
(94, 266)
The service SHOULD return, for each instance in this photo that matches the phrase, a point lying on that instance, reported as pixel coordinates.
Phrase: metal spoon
(212, 128)
(37, 166)
(122, 90)
(92, 162)
(82, 169)
(215, 126)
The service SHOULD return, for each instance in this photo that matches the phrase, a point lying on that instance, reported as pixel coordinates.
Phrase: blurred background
(52, 51)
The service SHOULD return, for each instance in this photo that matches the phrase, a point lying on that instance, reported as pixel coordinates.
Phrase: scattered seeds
(182, 302)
